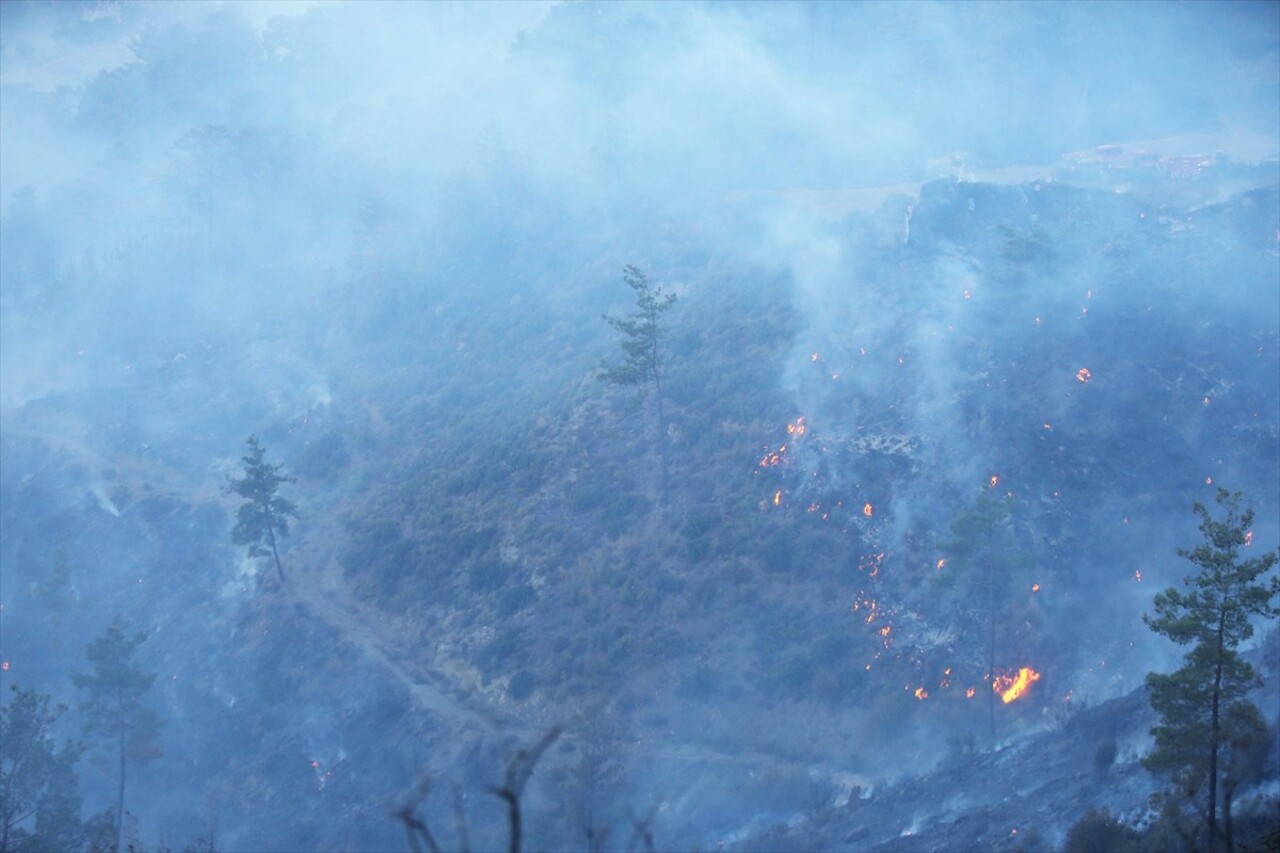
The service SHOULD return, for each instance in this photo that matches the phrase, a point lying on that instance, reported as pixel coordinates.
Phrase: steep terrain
(968, 439)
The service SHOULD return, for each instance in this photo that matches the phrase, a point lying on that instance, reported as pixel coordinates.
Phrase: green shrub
(1098, 832)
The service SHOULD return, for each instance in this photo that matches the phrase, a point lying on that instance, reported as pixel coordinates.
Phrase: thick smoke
(282, 218)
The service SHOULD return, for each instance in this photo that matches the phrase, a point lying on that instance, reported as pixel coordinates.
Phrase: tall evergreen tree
(264, 515)
(642, 333)
(988, 574)
(39, 788)
(113, 711)
(1198, 701)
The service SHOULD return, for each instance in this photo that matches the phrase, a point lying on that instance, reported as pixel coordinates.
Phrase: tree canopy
(39, 788)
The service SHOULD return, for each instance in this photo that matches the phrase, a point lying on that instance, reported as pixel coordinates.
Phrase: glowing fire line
(1011, 687)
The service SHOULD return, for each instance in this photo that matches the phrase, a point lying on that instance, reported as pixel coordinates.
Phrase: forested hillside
(861, 540)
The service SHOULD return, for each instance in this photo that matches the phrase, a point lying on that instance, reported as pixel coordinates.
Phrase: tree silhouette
(264, 515)
(39, 789)
(113, 711)
(642, 333)
(1202, 705)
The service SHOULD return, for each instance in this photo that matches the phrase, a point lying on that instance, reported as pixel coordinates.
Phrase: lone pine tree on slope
(113, 712)
(264, 515)
(1203, 706)
(642, 333)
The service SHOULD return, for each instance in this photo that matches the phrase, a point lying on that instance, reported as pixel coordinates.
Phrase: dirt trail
(324, 593)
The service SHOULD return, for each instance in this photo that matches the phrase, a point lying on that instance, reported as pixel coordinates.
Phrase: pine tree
(642, 333)
(113, 711)
(988, 575)
(1198, 702)
(39, 788)
(264, 515)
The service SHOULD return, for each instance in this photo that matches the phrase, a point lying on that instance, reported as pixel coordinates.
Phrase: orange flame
(942, 564)
(777, 498)
(993, 481)
(868, 510)
(968, 694)
(1011, 687)
(921, 693)
(1084, 374)
(775, 457)
(796, 428)
(1035, 587)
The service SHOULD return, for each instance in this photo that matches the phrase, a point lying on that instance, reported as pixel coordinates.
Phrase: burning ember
(993, 481)
(868, 510)
(1248, 538)
(796, 428)
(942, 564)
(871, 563)
(921, 693)
(1084, 374)
(1035, 587)
(775, 457)
(969, 694)
(777, 498)
(1011, 687)
(872, 608)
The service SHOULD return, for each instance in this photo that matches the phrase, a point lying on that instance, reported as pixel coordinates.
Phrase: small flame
(1011, 687)
(1035, 587)
(774, 457)
(868, 510)
(1248, 538)
(1084, 374)
(993, 481)
(941, 564)
(969, 694)
(777, 498)
(921, 693)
